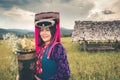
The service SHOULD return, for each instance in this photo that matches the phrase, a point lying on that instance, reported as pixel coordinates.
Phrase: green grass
(83, 65)
(5, 62)
(99, 65)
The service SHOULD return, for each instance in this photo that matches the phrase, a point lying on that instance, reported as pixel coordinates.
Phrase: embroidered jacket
(59, 55)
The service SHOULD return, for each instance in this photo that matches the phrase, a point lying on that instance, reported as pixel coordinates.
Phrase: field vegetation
(95, 65)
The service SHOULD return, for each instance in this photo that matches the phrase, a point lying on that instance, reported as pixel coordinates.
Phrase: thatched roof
(96, 30)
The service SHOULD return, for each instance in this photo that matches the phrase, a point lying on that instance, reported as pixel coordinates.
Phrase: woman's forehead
(44, 28)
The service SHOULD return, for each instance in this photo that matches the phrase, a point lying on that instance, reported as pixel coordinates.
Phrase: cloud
(17, 18)
(107, 12)
(104, 10)
(116, 6)
(70, 10)
(8, 4)
(21, 12)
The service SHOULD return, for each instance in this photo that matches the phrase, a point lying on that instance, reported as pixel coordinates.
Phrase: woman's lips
(45, 36)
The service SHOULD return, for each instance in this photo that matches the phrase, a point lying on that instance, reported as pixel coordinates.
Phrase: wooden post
(84, 44)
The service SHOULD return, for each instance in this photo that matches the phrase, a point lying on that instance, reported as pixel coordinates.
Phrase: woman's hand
(37, 77)
(17, 77)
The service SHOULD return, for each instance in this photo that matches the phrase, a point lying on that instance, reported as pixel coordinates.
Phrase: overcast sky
(19, 14)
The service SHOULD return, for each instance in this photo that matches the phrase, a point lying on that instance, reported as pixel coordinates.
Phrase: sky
(20, 14)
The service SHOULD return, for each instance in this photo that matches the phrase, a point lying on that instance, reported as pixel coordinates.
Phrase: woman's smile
(45, 37)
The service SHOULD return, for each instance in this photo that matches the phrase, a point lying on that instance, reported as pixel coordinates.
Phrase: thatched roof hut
(96, 30)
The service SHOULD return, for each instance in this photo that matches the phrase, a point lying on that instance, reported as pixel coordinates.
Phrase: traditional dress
(55, 68)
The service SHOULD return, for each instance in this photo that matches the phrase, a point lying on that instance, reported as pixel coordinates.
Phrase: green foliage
(83, 65)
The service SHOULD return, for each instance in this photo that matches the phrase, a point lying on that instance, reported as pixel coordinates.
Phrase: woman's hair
(52, 31)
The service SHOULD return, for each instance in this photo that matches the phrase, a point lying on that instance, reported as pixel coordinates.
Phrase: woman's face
(45, 34)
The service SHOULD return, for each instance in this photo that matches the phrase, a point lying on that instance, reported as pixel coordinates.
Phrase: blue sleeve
(59, 55)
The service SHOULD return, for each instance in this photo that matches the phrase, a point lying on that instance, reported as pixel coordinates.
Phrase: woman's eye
(41, 30)
(47, 29)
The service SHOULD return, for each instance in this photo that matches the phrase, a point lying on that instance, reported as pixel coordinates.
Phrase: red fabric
(56, 39)
(39, 57)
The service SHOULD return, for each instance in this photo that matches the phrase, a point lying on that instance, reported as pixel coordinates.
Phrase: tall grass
(99, 65)
(83, 65)
(5, 62)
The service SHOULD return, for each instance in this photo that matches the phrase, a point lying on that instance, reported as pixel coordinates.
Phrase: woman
(52, 63)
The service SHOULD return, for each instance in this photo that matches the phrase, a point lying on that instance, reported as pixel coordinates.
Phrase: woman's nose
(44, 31)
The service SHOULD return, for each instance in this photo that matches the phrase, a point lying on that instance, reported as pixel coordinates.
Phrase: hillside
(18, 32)
(21, 32)
(65, 31)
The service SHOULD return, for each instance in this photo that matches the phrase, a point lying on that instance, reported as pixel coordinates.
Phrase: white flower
(19, 44)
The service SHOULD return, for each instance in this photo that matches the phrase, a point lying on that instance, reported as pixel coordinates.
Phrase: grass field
(83, 65)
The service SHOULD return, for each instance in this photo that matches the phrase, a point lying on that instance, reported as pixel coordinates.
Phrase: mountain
(30, 33)
(3, 30)
(65, 31)
(23, 31)
(18, 32)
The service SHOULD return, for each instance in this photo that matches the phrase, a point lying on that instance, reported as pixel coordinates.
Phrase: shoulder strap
(49, 52)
